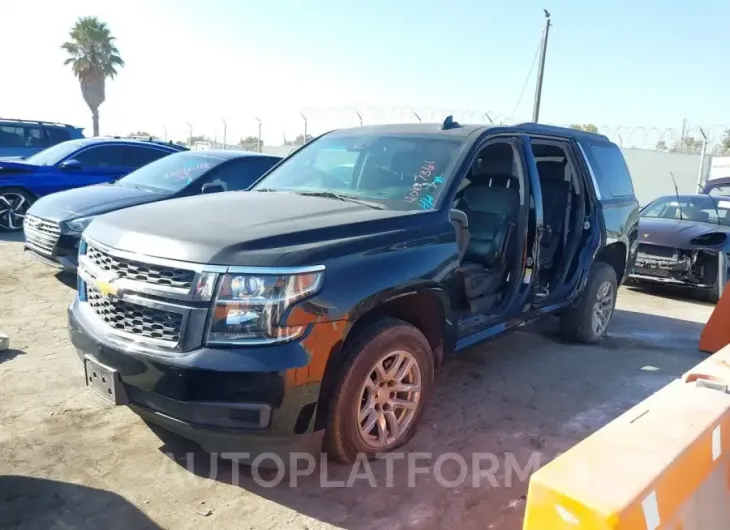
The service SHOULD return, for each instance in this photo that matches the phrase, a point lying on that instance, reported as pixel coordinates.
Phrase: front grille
(141, 272)
(657, 273)
(135, 319)
(658, 251)
(41, 235)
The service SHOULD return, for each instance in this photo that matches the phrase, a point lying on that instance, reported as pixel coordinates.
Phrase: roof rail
(40, 122)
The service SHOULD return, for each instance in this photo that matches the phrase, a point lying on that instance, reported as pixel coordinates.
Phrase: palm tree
(93, 57)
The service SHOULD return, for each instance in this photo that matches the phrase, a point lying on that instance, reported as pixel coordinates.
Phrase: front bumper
(246, 400)
(63, 256)
(703, 270)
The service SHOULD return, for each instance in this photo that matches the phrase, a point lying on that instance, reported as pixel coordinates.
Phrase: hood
(253, 228)
(14, 166)
(674, 232)
(90, 200)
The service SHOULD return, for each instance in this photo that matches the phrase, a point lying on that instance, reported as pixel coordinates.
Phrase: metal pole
(417, 116)
(190, 136)
(225, 131)
(304, 140)
(701, 172)
(165, 129)
(259, 137)
(721, 272)
(541, 69)
(360, 117)
(684, 128)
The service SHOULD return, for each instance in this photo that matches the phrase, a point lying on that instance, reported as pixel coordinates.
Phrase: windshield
(395, 172)
(170, 173)
(54, 154)
(703, 209)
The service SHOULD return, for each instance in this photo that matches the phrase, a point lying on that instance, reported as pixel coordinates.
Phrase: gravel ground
(67, 460)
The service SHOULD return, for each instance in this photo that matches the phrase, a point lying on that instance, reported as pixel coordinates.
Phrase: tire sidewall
(601, 273)
(392, 337)
(19, 191)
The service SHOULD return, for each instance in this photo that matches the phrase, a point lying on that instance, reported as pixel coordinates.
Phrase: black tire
(576, 322)
(343, 441)
(13, 195)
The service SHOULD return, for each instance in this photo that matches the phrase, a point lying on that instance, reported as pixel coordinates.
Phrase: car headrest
(701, 216)
(485, 199)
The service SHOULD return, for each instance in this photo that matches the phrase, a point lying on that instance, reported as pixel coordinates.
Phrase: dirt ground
(67, 460)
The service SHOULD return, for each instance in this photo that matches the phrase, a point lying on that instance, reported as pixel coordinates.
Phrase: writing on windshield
(171, 173)
(424, 184)
(398, 171)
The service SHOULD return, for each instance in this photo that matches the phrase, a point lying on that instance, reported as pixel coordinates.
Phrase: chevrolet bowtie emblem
(105, 284)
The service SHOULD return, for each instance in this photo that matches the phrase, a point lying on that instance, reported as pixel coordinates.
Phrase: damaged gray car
(683, 242)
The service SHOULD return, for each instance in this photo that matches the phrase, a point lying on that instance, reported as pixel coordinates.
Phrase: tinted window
(34, 137)
(138, 156)
(101, 156)
(57, 135)
(22, 136)
(700, 209)
(236, 175)
(399, 172)
(54, 154)
(611, 171)
(11, 136)
(171, 173)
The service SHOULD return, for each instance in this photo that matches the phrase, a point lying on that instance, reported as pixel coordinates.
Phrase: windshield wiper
(347, 198)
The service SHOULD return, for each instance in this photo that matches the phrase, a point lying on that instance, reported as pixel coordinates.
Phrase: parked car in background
(683, 242)
(22, 138)
(69, 165)
(317, 306)
(53, 225)
(719, 186)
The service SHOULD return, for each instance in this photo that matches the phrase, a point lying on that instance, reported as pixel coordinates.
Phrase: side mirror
(70, 165)
(213, 187)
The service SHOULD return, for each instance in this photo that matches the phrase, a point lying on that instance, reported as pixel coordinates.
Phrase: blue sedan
(53, 225)
(68, 165)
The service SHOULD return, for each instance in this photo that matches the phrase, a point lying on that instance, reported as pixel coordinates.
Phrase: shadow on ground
(9, 355)
(14, 237)
(69, 279)
(521, 399)
(33, 503)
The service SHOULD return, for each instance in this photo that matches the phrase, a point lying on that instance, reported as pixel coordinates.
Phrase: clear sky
(648, 63)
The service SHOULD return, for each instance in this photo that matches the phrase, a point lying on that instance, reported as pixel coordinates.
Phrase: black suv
(315, 309)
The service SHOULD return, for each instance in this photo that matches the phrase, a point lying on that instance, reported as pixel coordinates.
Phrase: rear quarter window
(57, 135)
(610, 169)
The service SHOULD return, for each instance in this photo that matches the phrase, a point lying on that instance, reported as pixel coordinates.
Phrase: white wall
(650, 171)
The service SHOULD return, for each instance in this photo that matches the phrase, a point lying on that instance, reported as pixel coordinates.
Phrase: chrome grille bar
(41, 235)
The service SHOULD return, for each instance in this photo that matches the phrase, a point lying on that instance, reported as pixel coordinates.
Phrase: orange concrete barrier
(716, 333)
(664, 464)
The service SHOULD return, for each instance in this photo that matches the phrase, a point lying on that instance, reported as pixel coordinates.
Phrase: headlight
(710, 239)
(78, 225)
(248, 309)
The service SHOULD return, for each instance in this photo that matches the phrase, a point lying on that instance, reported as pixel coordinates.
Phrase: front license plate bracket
(104, 381)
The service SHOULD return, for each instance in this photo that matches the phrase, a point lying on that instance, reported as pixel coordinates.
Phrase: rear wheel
(14, 203)
(587, 320)
(381, 391)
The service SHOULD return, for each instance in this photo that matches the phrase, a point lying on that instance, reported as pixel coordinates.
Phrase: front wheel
(14, 203)
(587, 321)
(381, 391)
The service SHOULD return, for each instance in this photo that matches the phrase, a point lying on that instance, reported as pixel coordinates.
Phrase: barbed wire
(318, 120)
